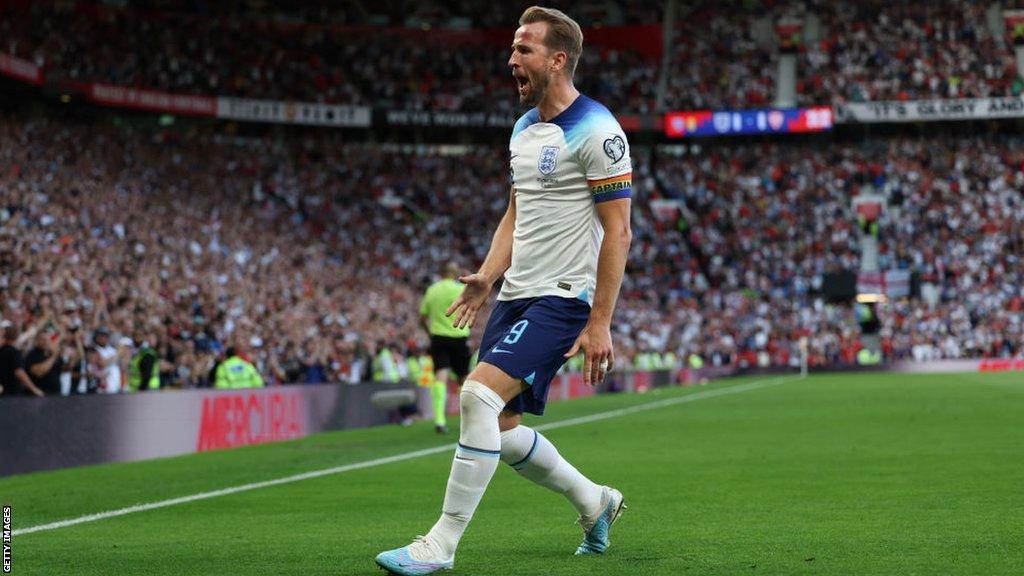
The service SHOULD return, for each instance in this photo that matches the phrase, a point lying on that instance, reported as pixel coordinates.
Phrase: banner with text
(128, 427)
(20, 69)
(929, 110)
(270, 111)
(276, 112)
(449, 119)
(151, 100)
(504, 121)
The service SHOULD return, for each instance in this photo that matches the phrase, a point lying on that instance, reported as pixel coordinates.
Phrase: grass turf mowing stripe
(757, 384)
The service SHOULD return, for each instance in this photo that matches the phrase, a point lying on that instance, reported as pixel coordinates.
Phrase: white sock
(535, 458)
(476, 459)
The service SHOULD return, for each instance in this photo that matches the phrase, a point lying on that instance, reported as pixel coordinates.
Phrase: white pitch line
(662, 403)
(391, 459)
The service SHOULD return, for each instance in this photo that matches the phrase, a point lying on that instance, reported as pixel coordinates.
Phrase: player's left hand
(598, 356)
(465, 307)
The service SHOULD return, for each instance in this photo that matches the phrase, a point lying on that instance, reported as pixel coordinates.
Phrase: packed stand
(432, 55)
(407, 69)
(444, 13)
(717, 62)
(198, 244)
(726, 55)
(761, 226)
(308, 255)
(765, 223)
(959, 209)
(907, 51)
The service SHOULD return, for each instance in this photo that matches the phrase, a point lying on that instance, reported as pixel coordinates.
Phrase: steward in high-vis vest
(868, 357)
(235, 372)
(669, 360)
(144, 370)
(438, 392)
(385, 369)
(421, 371)
(644, 361)
(412, 366)
(425, 374)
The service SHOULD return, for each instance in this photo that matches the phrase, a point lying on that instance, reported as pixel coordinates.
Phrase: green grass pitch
(833, 474)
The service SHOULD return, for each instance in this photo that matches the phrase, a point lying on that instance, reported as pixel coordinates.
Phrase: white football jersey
(560, 169)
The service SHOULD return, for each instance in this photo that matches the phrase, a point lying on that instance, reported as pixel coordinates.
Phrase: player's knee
(480, 407)
(477, 400)
(508, 420)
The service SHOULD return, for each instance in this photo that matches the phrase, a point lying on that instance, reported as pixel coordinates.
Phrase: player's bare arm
(499, 258)
(596, 338)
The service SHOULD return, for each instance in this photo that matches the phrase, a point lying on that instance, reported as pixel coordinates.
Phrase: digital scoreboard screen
(740, 122)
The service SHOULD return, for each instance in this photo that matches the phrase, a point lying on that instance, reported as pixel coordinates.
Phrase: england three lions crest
(548, 160)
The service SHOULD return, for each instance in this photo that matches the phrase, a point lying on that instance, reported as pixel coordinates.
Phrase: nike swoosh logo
(500, 351)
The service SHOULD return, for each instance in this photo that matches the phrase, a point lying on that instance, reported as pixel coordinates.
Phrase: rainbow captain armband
(613, 188)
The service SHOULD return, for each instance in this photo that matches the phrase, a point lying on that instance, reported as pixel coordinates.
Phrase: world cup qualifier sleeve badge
(615, 148)
(548, 160)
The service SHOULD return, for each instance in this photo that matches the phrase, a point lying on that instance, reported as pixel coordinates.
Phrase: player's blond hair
(563, 35)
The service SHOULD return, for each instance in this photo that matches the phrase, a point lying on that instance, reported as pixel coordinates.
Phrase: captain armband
(612, 188)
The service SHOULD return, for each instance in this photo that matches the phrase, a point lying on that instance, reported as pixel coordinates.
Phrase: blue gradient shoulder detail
(524, 122)
(582, 118)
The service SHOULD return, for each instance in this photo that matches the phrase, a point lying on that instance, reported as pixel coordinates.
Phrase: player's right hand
(598, 354)
(465, 307)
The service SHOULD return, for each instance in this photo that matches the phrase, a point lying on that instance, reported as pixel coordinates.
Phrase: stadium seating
(311, 251)
(719, 58)
(907, 51)
(873, 50)
(393, 68)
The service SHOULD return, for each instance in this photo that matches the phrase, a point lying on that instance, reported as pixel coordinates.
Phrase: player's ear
(558, 61)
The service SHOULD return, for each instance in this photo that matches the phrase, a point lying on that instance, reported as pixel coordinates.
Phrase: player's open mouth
(523, 82)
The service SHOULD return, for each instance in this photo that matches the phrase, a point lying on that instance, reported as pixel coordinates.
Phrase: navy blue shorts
(528, 338)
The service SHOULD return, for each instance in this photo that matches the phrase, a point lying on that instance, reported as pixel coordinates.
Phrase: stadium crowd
(308, 255)
(717, 62)
(857, 51)
(880, 50)
(724, 55)
(766, 222)
(401, 68)
(445, 13)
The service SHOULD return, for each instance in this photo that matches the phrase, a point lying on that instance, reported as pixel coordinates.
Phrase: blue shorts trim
(528, 338)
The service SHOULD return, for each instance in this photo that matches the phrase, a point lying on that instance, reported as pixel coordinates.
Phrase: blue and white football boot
(595, 530)
(416, 559)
